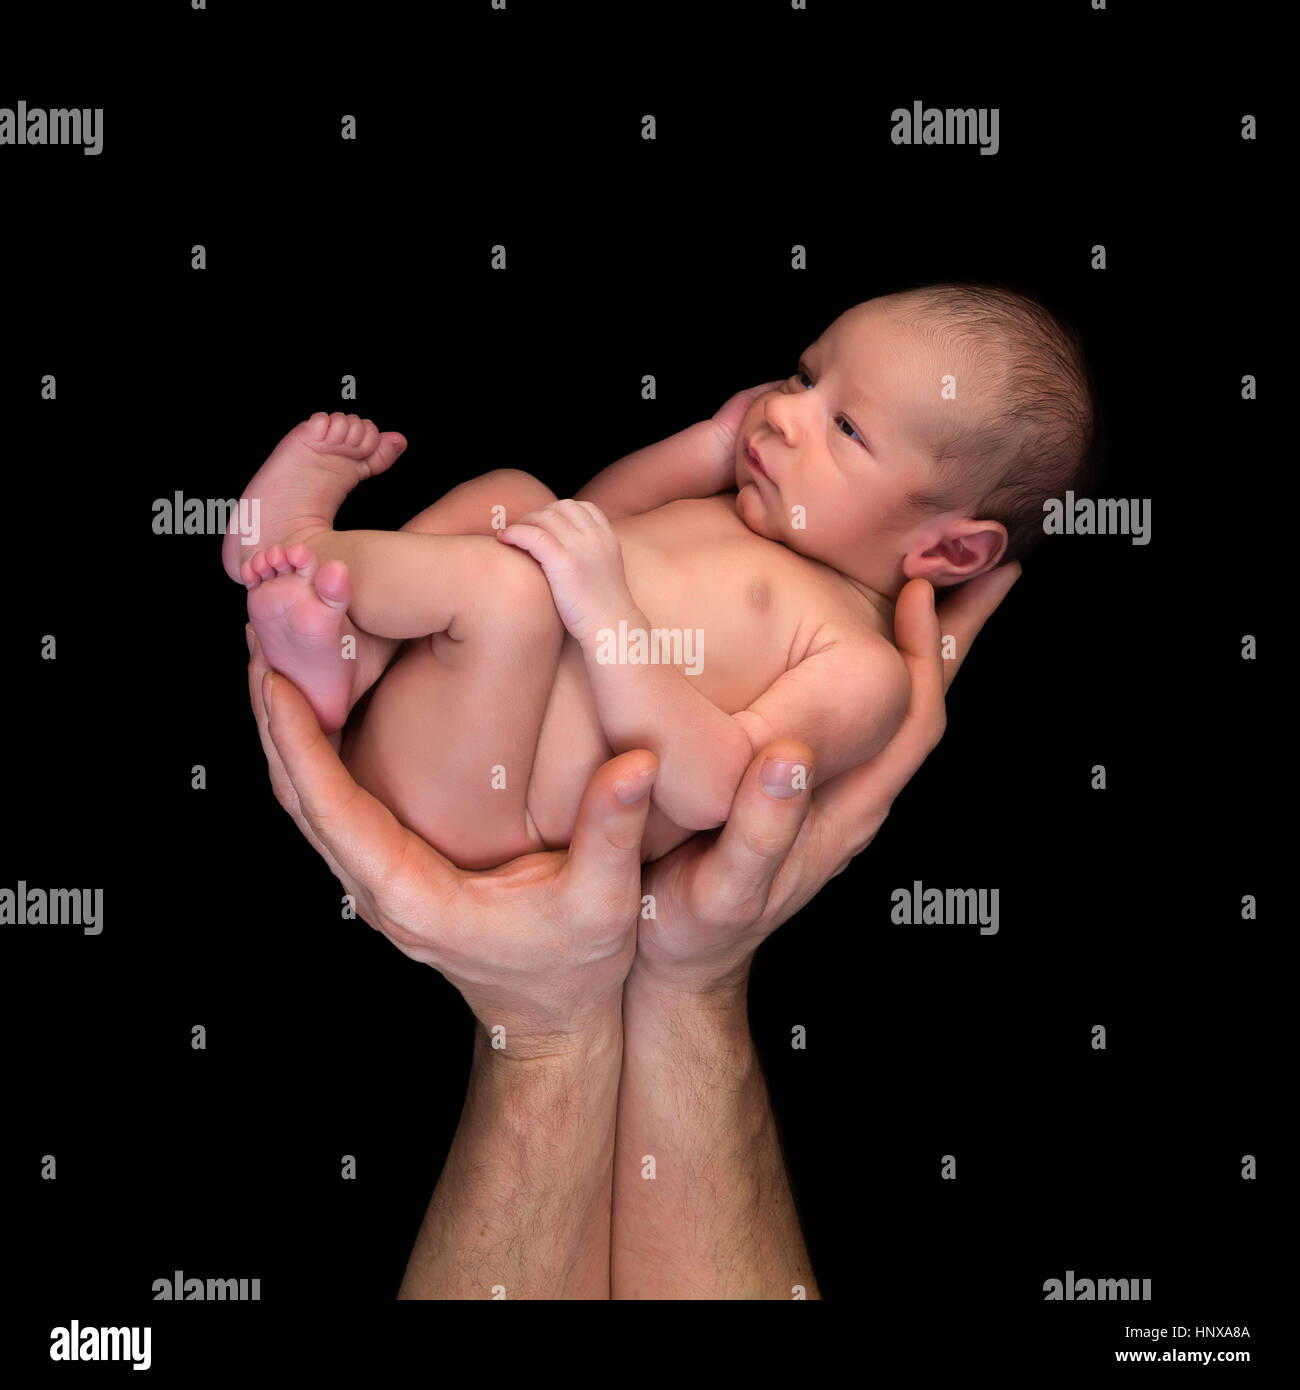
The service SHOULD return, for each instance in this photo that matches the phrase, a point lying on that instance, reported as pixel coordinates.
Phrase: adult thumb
(766, 816)
(604, 859)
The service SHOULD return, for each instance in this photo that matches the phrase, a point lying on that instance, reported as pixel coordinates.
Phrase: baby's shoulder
(861, 639)
(850, 618)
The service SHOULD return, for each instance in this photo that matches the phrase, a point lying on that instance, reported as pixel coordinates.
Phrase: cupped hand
(540, 945)
(716, 897)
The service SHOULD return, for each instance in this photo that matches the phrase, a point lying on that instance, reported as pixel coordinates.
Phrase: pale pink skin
(298, 608)
(845, 443)
(848, 443)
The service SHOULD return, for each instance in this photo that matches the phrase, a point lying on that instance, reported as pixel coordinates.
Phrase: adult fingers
(965, 609)
(358, 833)
(603, 866)
(855, 804)
(283, 788)
(275, 769)
(732, 879)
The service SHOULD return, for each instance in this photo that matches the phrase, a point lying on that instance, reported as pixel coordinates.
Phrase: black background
(626, 257)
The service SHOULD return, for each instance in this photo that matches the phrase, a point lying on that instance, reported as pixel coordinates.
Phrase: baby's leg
(294, 495)
(449, 736)
(299, 607)
(470, 508)
(405, 584)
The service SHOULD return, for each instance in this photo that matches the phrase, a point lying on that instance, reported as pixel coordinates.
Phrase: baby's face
(845, 439)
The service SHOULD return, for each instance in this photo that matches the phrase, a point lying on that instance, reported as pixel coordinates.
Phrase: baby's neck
(882, 602)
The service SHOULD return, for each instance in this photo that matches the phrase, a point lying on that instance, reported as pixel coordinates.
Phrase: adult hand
(718, 895)
(541, 944)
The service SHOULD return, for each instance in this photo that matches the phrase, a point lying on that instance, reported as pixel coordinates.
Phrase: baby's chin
(750, 509)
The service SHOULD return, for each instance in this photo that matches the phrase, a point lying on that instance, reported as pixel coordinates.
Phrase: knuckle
(767, 844)
(749, 907)
(726, 903)
(624, 840)
(717, 913)
(284, 794)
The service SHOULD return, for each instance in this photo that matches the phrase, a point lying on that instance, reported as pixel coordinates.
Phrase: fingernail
(248, 632)
(784, 779)
(266, 692)
(631, 791)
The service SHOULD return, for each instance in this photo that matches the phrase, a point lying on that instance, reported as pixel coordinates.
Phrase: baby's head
(920, 436)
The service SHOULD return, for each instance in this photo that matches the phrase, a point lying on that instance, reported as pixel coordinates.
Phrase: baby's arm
(695, 462)
(845, 699)
(690, 463)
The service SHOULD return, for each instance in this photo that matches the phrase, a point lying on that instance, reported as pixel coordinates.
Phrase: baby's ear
(966, 549)
(985, 543)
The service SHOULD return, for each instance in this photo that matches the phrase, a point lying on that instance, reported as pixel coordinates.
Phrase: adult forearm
(523, 1201)
(702, 1206)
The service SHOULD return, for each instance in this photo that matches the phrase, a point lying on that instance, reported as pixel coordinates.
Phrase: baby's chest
(726, 612)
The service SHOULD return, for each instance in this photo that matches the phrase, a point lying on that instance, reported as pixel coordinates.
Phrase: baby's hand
(727, 418)
(583, 561)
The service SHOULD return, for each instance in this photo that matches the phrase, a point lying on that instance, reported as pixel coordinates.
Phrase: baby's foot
(300, 488)
(299, 613)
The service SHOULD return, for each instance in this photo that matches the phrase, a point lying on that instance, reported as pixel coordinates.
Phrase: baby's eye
(850, 431)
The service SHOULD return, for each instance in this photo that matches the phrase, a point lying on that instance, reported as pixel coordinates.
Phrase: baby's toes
(334, 584)
(276, 558)
(300, 559)
(258, 568)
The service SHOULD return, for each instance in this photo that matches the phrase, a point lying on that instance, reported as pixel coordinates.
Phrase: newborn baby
(919, 436)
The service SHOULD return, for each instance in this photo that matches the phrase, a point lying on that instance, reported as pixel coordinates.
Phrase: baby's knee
(519, 486)
(521, 596)
(509, 493)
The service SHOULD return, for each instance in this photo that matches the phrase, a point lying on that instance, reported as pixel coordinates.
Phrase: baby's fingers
(536, 540)
(582, 516)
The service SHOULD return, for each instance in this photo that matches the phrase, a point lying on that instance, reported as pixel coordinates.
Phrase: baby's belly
(571, 745)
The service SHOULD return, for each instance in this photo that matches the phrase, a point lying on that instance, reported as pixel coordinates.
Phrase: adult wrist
(548, 1041)
(701, 1033)
(709, 990)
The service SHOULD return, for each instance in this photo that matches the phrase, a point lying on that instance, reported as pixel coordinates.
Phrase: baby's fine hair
(1028, 424)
